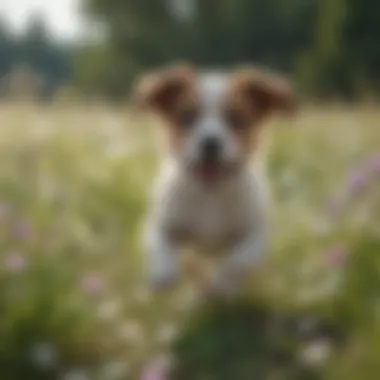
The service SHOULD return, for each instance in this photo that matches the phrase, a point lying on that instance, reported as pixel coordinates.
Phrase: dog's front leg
(163, 265)
(244, 256)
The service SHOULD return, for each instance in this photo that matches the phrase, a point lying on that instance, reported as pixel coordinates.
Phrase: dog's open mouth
(212, 172)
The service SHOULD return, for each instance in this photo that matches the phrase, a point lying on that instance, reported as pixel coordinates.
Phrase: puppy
(211, 192)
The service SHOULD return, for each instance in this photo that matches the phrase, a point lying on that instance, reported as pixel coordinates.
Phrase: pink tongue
(209, 172)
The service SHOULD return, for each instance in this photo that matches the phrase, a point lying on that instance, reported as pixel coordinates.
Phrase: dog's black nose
(211, 148)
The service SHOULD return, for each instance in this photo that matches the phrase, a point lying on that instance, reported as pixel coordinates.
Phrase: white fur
(231, 218)
(212, 89)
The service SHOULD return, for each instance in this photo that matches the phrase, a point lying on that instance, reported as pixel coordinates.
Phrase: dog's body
(231, 220)
(210, 194)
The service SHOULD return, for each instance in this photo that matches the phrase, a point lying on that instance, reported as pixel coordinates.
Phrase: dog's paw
(161, 283)
(163, 279)
(221, 287)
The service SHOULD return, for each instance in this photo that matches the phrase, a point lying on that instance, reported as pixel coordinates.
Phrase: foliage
(329, 47)
(244, 340)
(51, 61)
(73, 296)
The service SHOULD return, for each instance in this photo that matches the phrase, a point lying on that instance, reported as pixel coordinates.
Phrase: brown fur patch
(242, 119)
(171, 94)
(252, 97)
(182, 116)
(267, 93)
(158, 91)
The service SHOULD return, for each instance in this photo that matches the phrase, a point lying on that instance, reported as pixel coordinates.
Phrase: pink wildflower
(93, 284)
(337, 256)
(15, 262)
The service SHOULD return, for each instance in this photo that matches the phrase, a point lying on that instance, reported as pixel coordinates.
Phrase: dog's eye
(187, 118)
(235, 119)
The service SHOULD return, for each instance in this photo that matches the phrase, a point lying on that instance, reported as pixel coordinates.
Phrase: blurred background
(76, 166)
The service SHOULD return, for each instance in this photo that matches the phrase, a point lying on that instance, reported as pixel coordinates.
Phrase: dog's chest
(209, 220)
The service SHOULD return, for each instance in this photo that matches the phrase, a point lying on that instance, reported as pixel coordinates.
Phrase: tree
(49, 59)
(330, 46)
(7, 50)
(147, 34)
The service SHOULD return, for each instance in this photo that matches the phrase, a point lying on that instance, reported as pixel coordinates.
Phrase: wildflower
(142, 295)
(157, 370)
(15, 262)
(117, 369)
(357, 181)
(375, 164)
(76, 374)
(93, 284)
(323, 227)
(337, 256)
(110, 310)
(22, 229)
(337, 205)
(44, 355)
(167, 333)
(316, 353)
(5, 211)
(132, 332)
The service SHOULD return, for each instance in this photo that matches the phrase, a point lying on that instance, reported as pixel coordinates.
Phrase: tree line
(33, 52)
(329, 47)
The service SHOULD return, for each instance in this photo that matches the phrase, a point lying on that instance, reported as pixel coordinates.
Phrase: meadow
(74, 303)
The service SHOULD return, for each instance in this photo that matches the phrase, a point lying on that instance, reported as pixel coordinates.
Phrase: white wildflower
(316, 353)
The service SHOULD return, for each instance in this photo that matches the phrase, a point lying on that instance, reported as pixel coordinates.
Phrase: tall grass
(74, 303)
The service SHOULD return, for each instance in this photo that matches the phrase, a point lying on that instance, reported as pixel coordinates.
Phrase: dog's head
(213, 120)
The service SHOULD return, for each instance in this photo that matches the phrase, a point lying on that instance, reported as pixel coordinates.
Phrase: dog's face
(213, 120)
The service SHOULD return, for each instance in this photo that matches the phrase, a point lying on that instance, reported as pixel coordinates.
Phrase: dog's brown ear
(267, 93)
(158, 91)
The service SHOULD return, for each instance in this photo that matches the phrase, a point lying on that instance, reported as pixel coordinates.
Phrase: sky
(62, 17)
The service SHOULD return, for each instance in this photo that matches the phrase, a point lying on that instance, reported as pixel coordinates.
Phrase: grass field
(73, 180)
